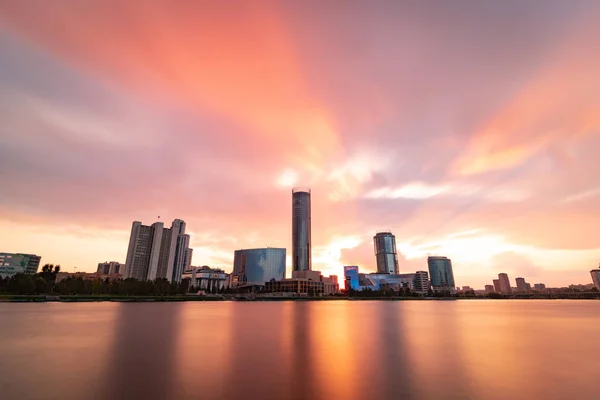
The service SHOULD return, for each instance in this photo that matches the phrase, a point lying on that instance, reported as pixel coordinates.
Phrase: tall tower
(385, 253)
(301, 253)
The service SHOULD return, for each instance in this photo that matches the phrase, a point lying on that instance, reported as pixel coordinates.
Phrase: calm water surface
(301, 350)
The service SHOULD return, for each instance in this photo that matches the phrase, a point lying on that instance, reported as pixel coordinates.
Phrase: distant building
(207, 279)
(522, 286)
(18, 263)
(304, 283)
(489, 288)
(467, 288)
(421, 282)
(351, 277)
(504, 283)
(497, 287)
(386, 256)
(539, 286)
(257, 266)
(440, 273)
(89, 276)
(301, 230)
(330, 285)
(596, 277)
(157, 252)
(110, 267)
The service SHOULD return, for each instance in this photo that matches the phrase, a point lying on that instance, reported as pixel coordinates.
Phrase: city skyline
(468, 130)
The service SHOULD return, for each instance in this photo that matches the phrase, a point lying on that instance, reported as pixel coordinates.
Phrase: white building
(207, 279)
(156, 252)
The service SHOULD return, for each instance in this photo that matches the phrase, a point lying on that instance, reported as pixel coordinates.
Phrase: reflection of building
(440, 273)
(596, 277)
(497, 288)
(157, 252)
(504, 283)
(489, 288)
(351, 277)
(522, 286)
(301, 235)
(110, 267)
(257, 266)
(207, 279)
(88, 276)
(17, 263)
(385, 253)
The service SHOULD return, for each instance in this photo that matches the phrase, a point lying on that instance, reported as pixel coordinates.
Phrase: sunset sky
(470, 129)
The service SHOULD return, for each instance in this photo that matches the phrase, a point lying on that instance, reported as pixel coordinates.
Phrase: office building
(257, 266)
(522, 286)
(497, 287)
(206, 279)
(489, 288)
(384, 244)
(351, 277)
(156, 252)
(301, 230)
(110, 268)
(440, 273)
(18, 263)
(504, 283)
(421, 282)
(596, 277)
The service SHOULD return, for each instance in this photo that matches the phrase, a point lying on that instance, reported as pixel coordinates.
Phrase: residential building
(539, 286)
(110, 268)
(489, 288)
(421, 282)
(596, 277)
(18, 263)
(207, 279)
(301, 230)
(441, 273)
(257, 266)
(522, 286)
(504, 283)
(386, 256)
(497, 287)
(91, 276)
(156, 252)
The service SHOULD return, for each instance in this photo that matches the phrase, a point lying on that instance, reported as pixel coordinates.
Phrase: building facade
(386, 256)
(301, 230)
(156, 252)
(489, 288)
(206, 279)
(18, 263)
(421, 282)
(504, 283)
(351, 277)
(595, 277)
(441, 273)
(522, 286)
(110, 267)
(257, 266)
(497, 288)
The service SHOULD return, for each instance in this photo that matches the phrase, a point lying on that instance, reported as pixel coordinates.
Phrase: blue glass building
(257, 266)
(351, 277)
(440, 272)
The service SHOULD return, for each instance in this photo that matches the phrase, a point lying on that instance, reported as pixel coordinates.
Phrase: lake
(477, 349)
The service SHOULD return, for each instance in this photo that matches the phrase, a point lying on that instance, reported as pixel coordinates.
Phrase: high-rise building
(421, 282)
(440, 273)
(301, 236)
(504, 283)
(257, 266)
(489, 288)
(17, 263)
(188, 260)
(522, 286)
(497, 287)
(385, 253)
(110, 267)
(596, 277)
(156, 252)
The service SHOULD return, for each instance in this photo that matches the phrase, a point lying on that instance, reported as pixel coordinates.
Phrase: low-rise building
(18, 263)
(61, 276)
(207, 279)
(489, 288)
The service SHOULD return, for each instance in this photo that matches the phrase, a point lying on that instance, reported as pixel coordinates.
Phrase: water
(301, 350)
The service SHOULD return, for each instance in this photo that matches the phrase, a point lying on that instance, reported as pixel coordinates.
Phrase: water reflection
(142, 363)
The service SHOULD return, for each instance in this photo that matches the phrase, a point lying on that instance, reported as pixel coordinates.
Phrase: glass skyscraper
(301, 241)
(440, 272)
(257, 266)
(385, 253)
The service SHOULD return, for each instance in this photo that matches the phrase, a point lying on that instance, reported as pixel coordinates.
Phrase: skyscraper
(440, 273)
(504, 283)
(385, 253)
(153, 251)
(301, 240)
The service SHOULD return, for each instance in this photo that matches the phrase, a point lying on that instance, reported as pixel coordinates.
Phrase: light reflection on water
(301, 350)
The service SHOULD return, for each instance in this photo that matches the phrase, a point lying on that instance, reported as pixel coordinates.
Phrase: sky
(470, 129)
